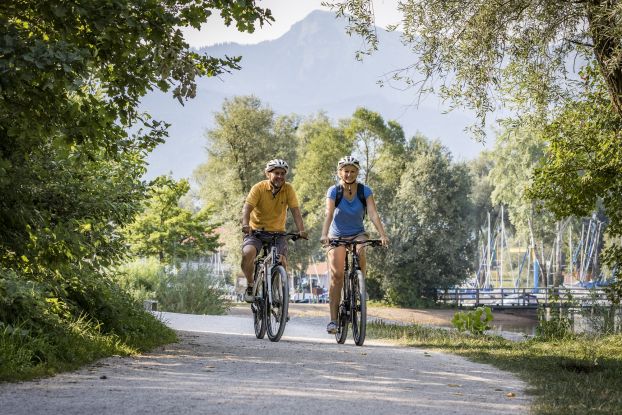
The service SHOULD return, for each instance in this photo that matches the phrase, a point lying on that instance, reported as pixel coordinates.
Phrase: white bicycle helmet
(277, 164)
(348, 161)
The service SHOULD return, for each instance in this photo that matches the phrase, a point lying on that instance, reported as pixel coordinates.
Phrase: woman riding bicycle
(346, 204)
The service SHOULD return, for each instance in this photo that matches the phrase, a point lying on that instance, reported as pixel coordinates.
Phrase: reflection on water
(524, 328)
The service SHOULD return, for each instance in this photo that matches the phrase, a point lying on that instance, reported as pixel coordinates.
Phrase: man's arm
(246, 217)
(298, 221)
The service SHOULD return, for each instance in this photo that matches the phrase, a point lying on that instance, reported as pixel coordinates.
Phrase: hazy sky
(286, 13)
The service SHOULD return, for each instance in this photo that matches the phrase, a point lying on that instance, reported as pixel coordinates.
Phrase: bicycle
(271, 295)
(353, 304)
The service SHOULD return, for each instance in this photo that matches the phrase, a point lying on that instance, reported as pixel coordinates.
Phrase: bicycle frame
(268, 261)
(270, 308)
(352, 306)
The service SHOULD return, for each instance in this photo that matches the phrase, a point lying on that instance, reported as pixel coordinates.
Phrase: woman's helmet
(277, 164)
(348, 161)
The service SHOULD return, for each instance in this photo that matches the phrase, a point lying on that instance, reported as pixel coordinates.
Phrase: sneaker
(248, 296)
(332, 327)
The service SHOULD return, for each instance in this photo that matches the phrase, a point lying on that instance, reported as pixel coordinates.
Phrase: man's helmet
(277, 164)
(348, 161)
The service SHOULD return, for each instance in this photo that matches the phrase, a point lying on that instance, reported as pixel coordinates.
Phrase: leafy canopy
(166, 230)
(522, 52)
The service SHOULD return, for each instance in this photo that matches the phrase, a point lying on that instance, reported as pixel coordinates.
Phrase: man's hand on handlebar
(303, 234)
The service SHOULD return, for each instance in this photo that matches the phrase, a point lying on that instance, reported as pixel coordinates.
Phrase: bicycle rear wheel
(277, 310)
(259, 308)
(358, 302)
(342, 317)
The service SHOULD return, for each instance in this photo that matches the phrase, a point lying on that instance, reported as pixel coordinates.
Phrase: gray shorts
(252, 240)
(350, 237)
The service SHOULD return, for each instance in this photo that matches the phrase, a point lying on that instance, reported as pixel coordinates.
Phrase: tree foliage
(71, 77)
(421, 194)
(520, 51)
(247, 135)
(166, 230)
(517, 151)
(582, 166)
(430, 226)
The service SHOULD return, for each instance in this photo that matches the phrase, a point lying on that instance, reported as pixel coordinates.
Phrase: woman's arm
(330, 210)
(375, 219)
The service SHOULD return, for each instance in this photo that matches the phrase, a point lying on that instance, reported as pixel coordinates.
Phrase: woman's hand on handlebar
(385, 240)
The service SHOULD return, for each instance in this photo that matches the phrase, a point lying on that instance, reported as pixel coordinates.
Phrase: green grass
(42, 332)
(27, 353)
(575, 375)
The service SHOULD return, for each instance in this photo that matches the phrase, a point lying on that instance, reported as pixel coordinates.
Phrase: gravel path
(219, 367)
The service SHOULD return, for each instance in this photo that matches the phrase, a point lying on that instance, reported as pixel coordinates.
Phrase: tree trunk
(604, 31)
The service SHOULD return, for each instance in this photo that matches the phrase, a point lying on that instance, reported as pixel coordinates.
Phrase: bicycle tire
(276, 312)
(358, 304)
(342, 316)
(259, 308)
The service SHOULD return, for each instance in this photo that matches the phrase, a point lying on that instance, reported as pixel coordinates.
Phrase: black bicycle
(271, 295)
(353, 305)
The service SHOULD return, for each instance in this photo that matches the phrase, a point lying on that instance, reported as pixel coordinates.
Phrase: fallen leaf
(510, 395)
(454, 385)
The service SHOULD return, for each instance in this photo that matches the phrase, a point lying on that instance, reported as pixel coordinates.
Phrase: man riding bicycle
(346, 204)
(265, 209)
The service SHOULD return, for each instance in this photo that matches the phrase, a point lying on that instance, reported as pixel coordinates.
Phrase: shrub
(194, 291)
(475, 321)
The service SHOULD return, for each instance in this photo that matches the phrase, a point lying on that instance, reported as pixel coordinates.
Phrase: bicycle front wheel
(358, 301)
(259, 308)
(277, 309)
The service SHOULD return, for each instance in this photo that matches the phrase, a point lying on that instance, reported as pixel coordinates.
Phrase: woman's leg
(336, 259)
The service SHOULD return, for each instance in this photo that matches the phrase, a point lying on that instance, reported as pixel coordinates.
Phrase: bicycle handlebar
(346, 242)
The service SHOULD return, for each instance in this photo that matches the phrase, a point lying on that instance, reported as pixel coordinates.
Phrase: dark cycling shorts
(252, 240)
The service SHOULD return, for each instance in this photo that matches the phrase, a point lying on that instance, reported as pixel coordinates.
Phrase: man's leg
(248, 258)
(249, 253)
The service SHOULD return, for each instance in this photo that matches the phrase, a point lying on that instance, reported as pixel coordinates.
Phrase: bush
(45, 329)
(556, 326)
(476, 321)
(141, 278)
(192, 291)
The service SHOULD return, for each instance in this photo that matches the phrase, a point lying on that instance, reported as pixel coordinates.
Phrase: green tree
(73, 73)
(321, 145)
(368, 133)
(582, 166)
(247, 135)
(166, 230)
(480, 51)
(517, 151)
(430, 227)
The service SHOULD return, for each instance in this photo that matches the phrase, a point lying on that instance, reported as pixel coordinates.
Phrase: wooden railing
(523, 297)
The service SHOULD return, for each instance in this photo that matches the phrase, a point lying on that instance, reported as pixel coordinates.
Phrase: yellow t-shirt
(270, 212)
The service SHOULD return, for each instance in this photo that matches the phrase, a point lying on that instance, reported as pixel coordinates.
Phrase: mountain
(310, 68)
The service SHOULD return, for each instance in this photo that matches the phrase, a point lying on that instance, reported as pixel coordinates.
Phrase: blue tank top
(348, 216)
